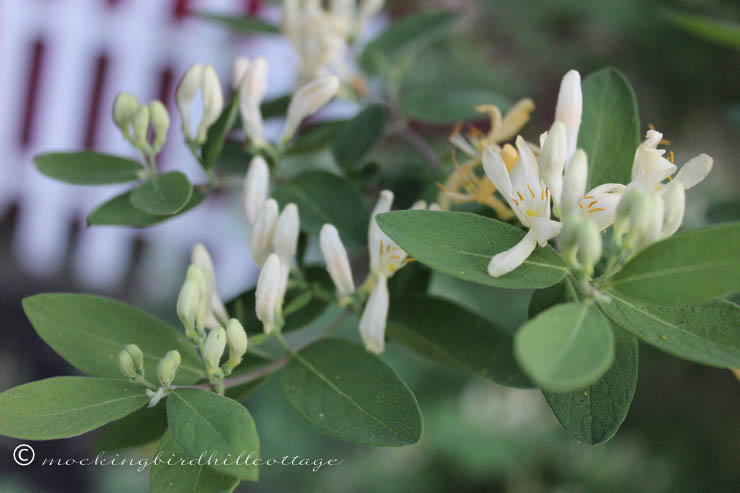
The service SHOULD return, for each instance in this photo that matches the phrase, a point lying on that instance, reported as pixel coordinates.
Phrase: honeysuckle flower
(569, 108)
(124, 108)
(580, 241)
(160, 123)
(574, 184)
(126, 364)
(205, 79)
(140, 123)
(196, 274)
(263, 230)
(136, 355)
(553, 156)
(217, 313)
(256, 188)
(366, 11)
(251, 93)
(239, 68)
(213, 349)
(307, 100)
(188, 303)
(268, 291)
(236, 337)
(285, 242)
(167, 367)
(373, 320)
(528, 198)
(600, 203)
(337, 261)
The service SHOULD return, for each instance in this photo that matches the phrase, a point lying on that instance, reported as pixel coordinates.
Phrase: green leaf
(359, 136)
(450, 335)
(139, 428)
(316, 137)
(63, 407)
(693, 266)
(594, 413)
(717, 31)
(326, 198)
(217, 132)
(89, 331)
(351, 394)
(119, 211)
(406, 36)
(163, 194)
(461, 244)
(610, 127)
(706, 333)
(87, 168)
(566, 347)
(240, 24)
(275, 107)
(178, 478)
(202, 420)
(446, 105)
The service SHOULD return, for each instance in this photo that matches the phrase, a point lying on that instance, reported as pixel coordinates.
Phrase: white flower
(263, 230)
(386, 257)
(373, 320)
(574, 185)
(528, 197)
(569, 108)
(204, 78)
(285, 242)
(268, 292)
(307, 100)
(553, 157)
(337, 262)
(217, 314)
(251, 93)
(256, 188)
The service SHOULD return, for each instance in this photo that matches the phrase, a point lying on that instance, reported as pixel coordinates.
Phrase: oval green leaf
(693, 266)
(163, 194)
(201, 420)
(566, 347)
(359, 136)
(87, 168)
(89, 331)
(315, 137)
(326, 198)
(706, 333)
(139, 428)
(178, 478)
(240, 23)
(119, 211)
(610, 127)
(351, 394)
(63, 407)
(461, 244)
(455, 337)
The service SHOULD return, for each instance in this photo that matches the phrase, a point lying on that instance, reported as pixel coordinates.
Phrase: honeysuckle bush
(586, 217)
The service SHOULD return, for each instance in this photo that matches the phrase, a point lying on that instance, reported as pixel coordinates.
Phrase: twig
(418, 143)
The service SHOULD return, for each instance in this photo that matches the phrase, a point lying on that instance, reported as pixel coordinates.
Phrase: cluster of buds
(250, 79)
(321, 36)
(131, 362)
(386, 258)
(215, 345)
(134, 120)
(201, 79)
(273, 242)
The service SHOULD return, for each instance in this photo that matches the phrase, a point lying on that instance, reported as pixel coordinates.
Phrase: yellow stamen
(530, 190)
(580, 205)
(592, 204)
(531, 213)
(671, 159)
(588, 196)
(598, 209)
(520, 195)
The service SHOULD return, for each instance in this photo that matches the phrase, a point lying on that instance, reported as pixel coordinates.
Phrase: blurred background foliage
(683, 431)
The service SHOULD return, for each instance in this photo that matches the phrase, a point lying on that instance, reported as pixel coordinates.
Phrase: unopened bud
(185, 93)
(136, 355)
(188, 305)
(568, 238)
(251, 93)
(237, 339)
(419, 205)
(307, 100)
(202, 259)
(213, 102)
(263, 230)
(632, 218)
(239, 68)
(124, 108)
(569, 108)
(574, 184)
(160, 122)
(373, 320)
(268, 291)
(256, 188)
(167, 367)
(589, 246)
(552, 160)
(337, 262)
(196, 273)
(141, 128)
(214, 348)
(285, 240)
(126, 364)
(434, 207)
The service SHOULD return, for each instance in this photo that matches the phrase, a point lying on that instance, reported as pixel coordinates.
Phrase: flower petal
(545, 229)
(694, 171)
(372, 323)
(506, 261)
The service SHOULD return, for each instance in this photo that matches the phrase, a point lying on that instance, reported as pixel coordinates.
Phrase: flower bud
(126, 364)
(374, 235)
(434, 207)
(213, 102)
(251, 93)
(632, 218)
(419, 205)
(337, 262)
(256, 188)
(196, 273)
(202, 259)
(674, 199)
(138, 357)
(188, 305)
(124, 108)
(263, 230)
(268, 291)
(239, 68)
(568, 238)
(656, 211)
(569, 108)
(237, 339)
(373, 320)
(552, 160)
(307, 100)
(574, 184)
(160, 122)
(141, 128)
(589, 246)
(285, 240)
(185, 94)
(214, 348)
(167, 367)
